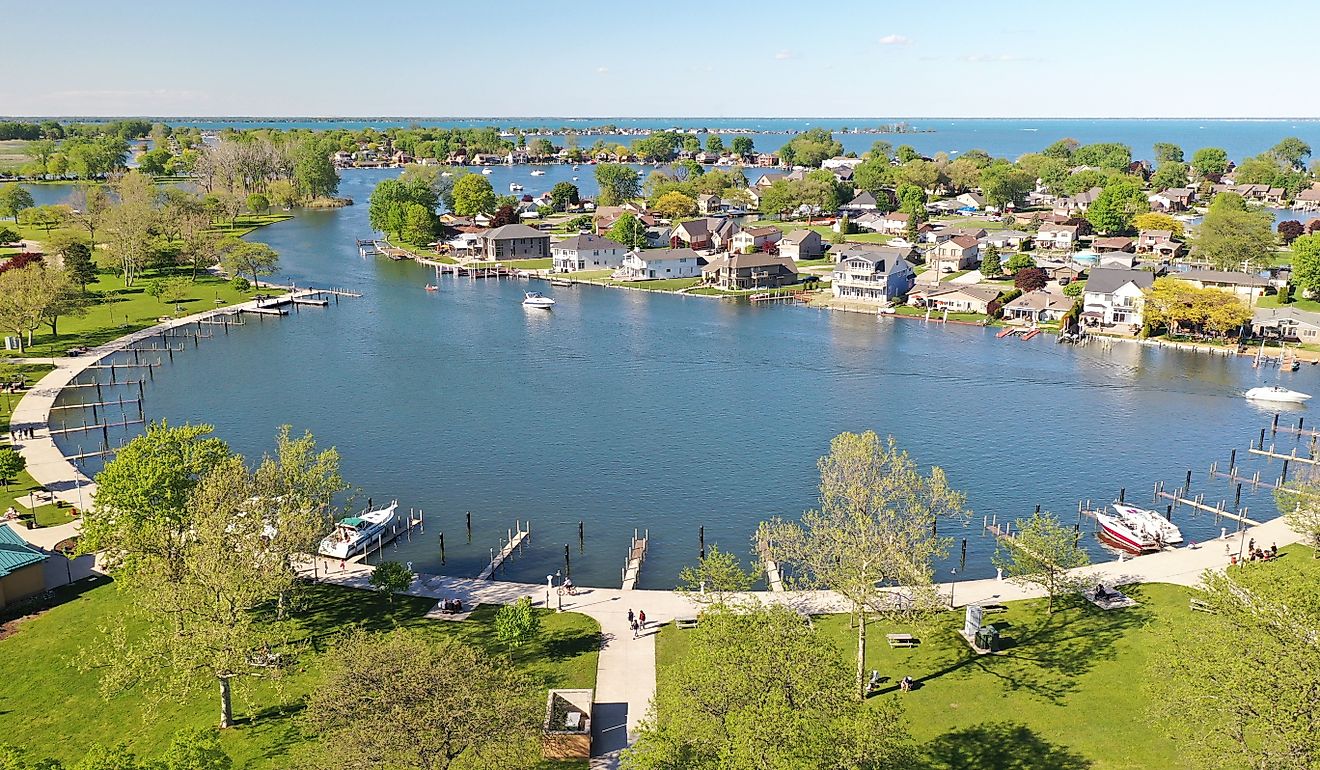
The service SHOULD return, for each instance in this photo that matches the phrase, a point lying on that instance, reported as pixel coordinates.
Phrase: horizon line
(239, 117)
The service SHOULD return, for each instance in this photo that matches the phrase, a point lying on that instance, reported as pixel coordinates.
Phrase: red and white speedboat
(1125, 531)
(1164, 531)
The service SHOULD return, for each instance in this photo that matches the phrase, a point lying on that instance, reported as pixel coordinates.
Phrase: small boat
(1128, 533)
(575, 168)
(432, 287)
(1276, 394)
(537, 300)
(515, 187)
(538, 172)
(1165, 531)
(355, 534)
(574, 179)
(487, 171)
(560, 282)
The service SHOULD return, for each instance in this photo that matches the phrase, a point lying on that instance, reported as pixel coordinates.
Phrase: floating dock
(636, 555)
(774, 576)
(514, 540)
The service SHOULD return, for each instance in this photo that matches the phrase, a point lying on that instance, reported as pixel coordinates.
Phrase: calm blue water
(1000, 137)
(622, 409)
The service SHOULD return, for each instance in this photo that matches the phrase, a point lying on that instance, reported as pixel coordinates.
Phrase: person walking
(634, 627)
(641, 619)
(631, 616)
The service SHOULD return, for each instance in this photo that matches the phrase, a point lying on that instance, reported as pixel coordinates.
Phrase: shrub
(241, 284)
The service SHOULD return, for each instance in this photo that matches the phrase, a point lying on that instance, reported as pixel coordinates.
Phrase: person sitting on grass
(1100, 593)
(906, 684)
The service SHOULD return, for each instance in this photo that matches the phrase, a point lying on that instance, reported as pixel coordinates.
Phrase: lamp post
(549, 589)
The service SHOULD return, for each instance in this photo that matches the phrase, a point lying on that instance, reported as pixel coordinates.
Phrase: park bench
(901, 640)
(1201, 605)
(685, 622)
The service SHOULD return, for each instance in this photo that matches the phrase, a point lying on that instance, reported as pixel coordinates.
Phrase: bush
(7, 235)
(241, 284)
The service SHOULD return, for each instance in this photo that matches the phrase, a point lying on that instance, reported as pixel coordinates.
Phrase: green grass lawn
(54, 708)
(937, 314)
(529, 264)
(118, 310)
(1272, 300)
(659, 284)
(1067, 687)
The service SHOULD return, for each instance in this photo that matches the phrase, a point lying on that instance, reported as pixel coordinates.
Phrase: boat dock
(774, 576)
(414, 521)
(1178, 496)
(788, 297)
(513, 542)
(636, 554)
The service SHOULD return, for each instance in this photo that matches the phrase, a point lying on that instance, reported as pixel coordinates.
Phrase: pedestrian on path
(641, 619)
(341, 565)
(634, 627)
(631, 616)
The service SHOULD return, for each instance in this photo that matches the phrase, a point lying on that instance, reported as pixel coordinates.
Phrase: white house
(1057, 237)
(659, 263)
(893, 223)
(757, 238)
(587, 251)
(1113, 296)
(873, 274)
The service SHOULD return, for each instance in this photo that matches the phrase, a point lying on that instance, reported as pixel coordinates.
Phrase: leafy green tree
(906, 154)
(13, 200)
(11, 464)
(618, 183)
(810, 148)
(1306, 263)
(875, 528)
(391, 577)
(258, 203)
(1119, 203)
(1233, 237)
(196, 750)
(1003, 184)
(714, 144)
(116, 757)
(473, 195)
(1171, 174)
(629, 231)
(1110, 155)
(1085, 179)
(742, 146)
(564, 195)
(874, 175)
(418, 223)
(674, 205)
(241, 257)
(1074, 289)
(517, 624)
(1291, 152)
(1209, 161)
(1018, 262)
(45, 217)
(760, 688)
(403, 700)
(1062, 149)
(1153, 220)
(18, 758)
(1166, 152)
(1238, 687)
(314, 172)
(714, 578)
(1043, 552)
(881, 150)
(991, 267)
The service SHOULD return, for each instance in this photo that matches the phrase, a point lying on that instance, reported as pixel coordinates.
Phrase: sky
(672, 58)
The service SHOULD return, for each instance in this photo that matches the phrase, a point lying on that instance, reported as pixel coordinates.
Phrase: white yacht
(538, 300)
(515, 187)
(356, 534)
(487, 171)
(1126, 532)
(1277, 394)
(1165, 531)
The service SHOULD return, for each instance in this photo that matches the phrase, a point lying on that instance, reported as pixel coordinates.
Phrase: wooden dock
(415, 520)
(636, 554)
(774, 576)
(1199, 504)
(512, 542)
(1270, 453)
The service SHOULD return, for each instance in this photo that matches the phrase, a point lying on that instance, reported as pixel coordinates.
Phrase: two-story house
(515, 242)
(802, 244)
(587, 251)
(656, 264)
(879, 274)
(755, 239)
(1057, 237)
(961, 252)
(750, 271)
(1113, 296)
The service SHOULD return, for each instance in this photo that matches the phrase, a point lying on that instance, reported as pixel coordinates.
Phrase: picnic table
(685, 622)
(901, 640)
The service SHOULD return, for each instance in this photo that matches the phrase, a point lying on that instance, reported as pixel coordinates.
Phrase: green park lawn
(937, 314)
(1272, 300)
(53, 707)
(1065, 693)
(529, 264)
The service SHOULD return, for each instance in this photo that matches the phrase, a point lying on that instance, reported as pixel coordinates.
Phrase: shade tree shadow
(998, 746)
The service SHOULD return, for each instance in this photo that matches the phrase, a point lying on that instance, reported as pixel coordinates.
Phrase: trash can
(987, 638)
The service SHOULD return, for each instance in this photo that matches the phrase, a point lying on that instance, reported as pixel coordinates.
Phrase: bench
(685, 623)
(1201, 605)
(992, 609)
(901, 640)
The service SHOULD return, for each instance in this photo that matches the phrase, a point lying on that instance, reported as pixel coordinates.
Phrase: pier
(414, 520)
(774, 576)
(636, 554)
(514, 540)
(1199, 504)
(1270, 453)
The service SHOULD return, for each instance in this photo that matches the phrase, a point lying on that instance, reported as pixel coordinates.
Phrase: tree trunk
(861, 652)
(226, 708)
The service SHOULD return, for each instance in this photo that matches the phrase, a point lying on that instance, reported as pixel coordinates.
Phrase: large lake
(631, 410)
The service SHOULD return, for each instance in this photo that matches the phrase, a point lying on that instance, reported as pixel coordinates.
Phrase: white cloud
(602, 70)
(784, 55)
(894, 40)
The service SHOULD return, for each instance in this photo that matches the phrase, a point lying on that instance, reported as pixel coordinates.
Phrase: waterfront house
(516, 156)
(871, 273)
(1057, 237)
(766, 160)
(1286, 323)
(750, 271)
(1159, 243)
(958, 298)
(656, 264)
(755, 239)
(802, 244)
(1038, 306)
(1114, 244)
(961, 252)
(1173, 199)
(586, 252)
(840, 161)
(1243, 285)
(486, 159)
(515, 242)
(1113, 296)
(21, 571)
(1308, 199)
(709, 204)
(770, 177)
(693, 234)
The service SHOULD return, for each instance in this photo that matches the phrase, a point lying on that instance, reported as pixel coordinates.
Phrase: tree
(1062, 149)
(714, 144)
(418, 223)
(154, 161)
(33, 295)
(874, 175)
(906, 153)
(1030, 279)
(1289, 230)
(761, 688)
(391, 577)
(258, 203)
(963, 173)
(1119, 203)
(282, 193)
(1210, 161)
(1042, 553)
(1018, 262)
(314, 172)
(1240, 690)
(742, 146)
(1291, 152)
(674, 205)
(1074, 289)
(875, 529)
(473, 195)
(403, 700)
(990, 264)
(1180, 305)
(1153, 220)
(129, 224)
(618, 183)
(88, 205)
(246, 257)
(517, 624)
(116, 757)
(1171, 174)
(504, 215)
(1003, 184)
(196, 750)
(1300, 504)
(1166, 152)
(41, 151)
(1233, 237)
(78, 263)
(810, 148)
(1108, 155)
(1306, 263)
(11, 464)
(13, 200)
(45, 217)
(629, 231)
(564, 195)
(715, 576)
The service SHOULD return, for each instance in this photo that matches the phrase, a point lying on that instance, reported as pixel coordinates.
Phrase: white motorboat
(538, 300)
(1276, 394)
(487, 171)
(515, 187)
(1165, 531)
(355, 534)
(538, 172)
(1131, 534)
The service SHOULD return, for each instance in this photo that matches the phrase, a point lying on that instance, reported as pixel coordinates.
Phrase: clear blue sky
(677, 58)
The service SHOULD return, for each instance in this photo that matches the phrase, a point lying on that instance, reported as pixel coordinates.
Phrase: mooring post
(1037, 507)
(568, 565)
(1232, 461)
(1300, 420)
(1122, 491)
(962, 560)
(1284, 477)
(1261, 443)
(469, 526)
(1188, 485)
(1274, 426)
(1168, 511)
(442, 548)
(582, 540)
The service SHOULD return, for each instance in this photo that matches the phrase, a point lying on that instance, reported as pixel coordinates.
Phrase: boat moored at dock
(354, 535)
